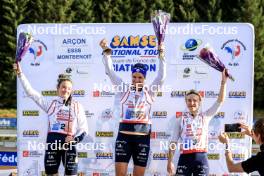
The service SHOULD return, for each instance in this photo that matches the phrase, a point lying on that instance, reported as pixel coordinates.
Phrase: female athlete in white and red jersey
(134, 101)
(67, 124)
(191, 134)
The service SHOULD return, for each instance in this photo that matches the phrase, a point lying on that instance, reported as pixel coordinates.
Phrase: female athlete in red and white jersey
(191, 134)
(67, 124)
(135, 105)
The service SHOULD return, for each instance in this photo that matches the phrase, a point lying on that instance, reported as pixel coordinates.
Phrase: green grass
(7, 112)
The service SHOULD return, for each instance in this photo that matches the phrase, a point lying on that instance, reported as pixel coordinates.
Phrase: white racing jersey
(134, 107)
(62, 119)
(191, 133)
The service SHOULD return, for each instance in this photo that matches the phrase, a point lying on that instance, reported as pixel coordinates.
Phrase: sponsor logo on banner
(157, 174)
(107, 114)
(76, 93)
(159, 114)
(237, 94)
(238, 156)
(196, 72)
(160, 156)
(182, 94)
(239, 115)
(104, 133)
(186, 72)
(235, 135)
(104, 155)
(159, 94)
(82, 155)
(213, 156)
(30, 113)
(98, 93)
(89, 114)
(234, 48)
(189, 46)
(68, 70)
(220, 115)
(73, 48)
(27, 153)
(211, 94)
(128, 50)
(30, 133)
(37, 51)
(159, 135)
(134, 46)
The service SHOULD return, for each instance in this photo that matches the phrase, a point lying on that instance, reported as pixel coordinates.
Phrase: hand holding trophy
(208, 56)
(23, 43)
(160, 20)
(104, 46)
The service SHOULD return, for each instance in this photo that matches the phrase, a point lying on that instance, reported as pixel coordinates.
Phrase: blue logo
(191, 44)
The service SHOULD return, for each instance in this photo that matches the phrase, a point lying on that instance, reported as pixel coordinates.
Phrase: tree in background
(185, 11)
(13, 12)
(252, 11)
(83, 11)
(208, 11)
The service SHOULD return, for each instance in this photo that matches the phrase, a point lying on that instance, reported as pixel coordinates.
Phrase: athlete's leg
(70, 160)
(121, 168)
(140, 154)
(201, 167)
(139, 171)
(184, 167)
(122, 154)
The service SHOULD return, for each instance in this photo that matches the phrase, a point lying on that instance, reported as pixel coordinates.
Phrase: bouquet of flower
(209, 57)
(23, 43)
(160, 20)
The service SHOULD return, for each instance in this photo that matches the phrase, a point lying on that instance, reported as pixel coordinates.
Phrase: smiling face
(193, 102)
(138, 80)
(64, 89)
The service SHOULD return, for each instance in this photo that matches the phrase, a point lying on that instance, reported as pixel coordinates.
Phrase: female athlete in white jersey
(135, 105)
(67, 124)
(191, 134)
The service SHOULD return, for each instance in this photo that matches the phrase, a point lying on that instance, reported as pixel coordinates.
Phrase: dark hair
(62, 78)
(192, 91)
(258, 128)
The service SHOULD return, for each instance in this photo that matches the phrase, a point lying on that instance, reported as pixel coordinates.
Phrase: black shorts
(193, 163)
(136, 146)
(55, 153)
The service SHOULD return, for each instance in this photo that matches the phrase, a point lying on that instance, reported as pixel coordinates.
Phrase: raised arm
(159, 80)
(222, 93)
(107, 60)
(32, 93)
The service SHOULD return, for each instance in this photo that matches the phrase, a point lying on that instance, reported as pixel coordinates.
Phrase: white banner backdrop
(73, 49)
